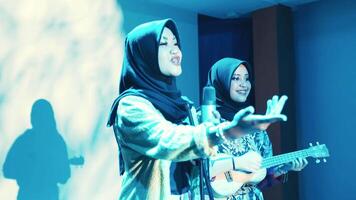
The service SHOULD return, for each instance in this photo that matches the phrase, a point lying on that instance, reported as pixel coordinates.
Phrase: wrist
(283, 169)
(215, 134)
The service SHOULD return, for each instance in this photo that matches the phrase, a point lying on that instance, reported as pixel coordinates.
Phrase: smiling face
(169, 54)
(240, 85)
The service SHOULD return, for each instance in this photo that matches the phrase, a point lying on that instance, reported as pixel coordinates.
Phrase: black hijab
(141, 75)
(219, 77)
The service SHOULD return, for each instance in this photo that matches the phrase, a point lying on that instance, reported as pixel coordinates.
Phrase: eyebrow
(164, 37)
(240, 75)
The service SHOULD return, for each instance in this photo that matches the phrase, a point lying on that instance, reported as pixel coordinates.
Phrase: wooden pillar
(274, 70)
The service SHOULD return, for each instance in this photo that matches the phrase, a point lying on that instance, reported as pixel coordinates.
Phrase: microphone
(208, 107)
(208, 104)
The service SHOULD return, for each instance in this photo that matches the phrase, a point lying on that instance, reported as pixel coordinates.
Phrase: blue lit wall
(325, 41)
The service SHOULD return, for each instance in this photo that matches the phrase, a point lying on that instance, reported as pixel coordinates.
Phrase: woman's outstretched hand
(245, 121)
(275, 105)
(273, 114)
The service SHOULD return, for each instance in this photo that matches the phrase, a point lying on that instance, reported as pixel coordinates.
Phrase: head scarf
(220, 78)
(141, 75)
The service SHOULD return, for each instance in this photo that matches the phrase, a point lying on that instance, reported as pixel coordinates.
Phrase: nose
(174, 50)
(243, 84)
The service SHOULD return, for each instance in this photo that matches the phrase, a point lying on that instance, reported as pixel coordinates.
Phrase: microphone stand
(203, 164)
(208, 106)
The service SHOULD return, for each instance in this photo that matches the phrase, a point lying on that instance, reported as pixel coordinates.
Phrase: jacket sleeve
(143, 128)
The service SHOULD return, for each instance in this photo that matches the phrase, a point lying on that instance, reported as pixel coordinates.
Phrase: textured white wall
(70, 53)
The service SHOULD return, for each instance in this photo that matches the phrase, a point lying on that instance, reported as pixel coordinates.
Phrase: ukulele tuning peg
(324, 160)
(317, 161)
(310, 144)
(317, 143)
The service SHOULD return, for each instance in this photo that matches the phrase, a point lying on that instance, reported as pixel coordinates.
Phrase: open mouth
(242, 92)
(176, 60)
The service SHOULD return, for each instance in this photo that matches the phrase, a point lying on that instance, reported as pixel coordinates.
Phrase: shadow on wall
(38, 159)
